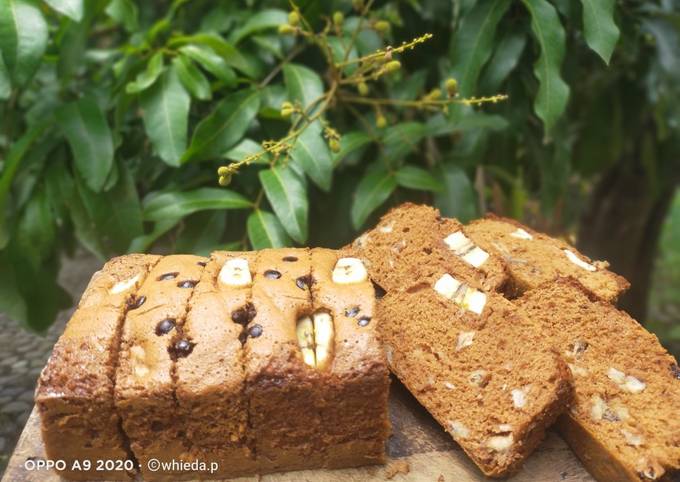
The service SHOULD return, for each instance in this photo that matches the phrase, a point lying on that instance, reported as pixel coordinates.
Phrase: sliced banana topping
(520, 233)
(305, 336)
(500, 443)
(349, 271)
(236, 272)
(123, 286)
(461, 294)
(315, 336)
(571, 256)
(323, 338)
(463, 247)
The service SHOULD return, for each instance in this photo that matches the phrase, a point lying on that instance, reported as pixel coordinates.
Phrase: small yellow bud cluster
(333, 138)
(287, 109)
(294, 18)
(224, 174)
(392, 66)
(452, 87)
(338, 19)
(358, 5)
(380, 121)
(434, 94)
(382, 26)
(362, 87)
(287, 29)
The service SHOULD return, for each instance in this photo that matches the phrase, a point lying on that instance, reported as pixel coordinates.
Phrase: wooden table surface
(418, 445)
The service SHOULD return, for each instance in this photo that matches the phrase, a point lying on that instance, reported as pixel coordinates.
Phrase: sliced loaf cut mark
(151, 342)
(624, 423)
(211, 382)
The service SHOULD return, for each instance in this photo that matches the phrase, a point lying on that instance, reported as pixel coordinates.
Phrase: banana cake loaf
(533, 258)
(477, 365)
(624, 423)
(75, 393)
(257, 361)
(410, 239)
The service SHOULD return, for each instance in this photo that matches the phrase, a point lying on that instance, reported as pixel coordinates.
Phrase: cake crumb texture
(624, 422)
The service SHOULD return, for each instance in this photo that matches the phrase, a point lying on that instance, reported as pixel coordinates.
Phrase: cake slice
(411, 238)
(75, 390)
(210, 383)
(477, 365)
(316, 379)
(534, 258)
(624, 424)
(152, 340)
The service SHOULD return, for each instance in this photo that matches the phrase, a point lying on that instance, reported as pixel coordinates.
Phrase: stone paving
(24, 354)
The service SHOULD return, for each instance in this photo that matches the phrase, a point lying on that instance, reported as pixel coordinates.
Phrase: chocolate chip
(244, 315)
(134, 302)
(255, 330)
(290, 259)
(675, 370)
(164, 327)
(304, 282)
(181, 349)
(364, 321)
(272, 274)
(352, 312)
(379, 290)
(187, 284)
(201, 263)
(168, 276)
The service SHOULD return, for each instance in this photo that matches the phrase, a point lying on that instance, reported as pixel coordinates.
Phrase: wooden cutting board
(419, 450)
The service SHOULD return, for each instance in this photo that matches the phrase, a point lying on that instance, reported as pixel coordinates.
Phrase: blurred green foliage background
(116, 115)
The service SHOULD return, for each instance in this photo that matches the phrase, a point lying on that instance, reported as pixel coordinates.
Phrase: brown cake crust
(78, 379)
(623, 424)
(409, 240)
(532, 262)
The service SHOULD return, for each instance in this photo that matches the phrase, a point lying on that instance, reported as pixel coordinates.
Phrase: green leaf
(165, 111)
(351, 142)
(141, 244)
(439, 125)
(265, 231)
(23, 38)
(401, 139)
(124, 12)
(413, 177)
(5, 81)
(600, 30)
(211, 62)
(303, 86)
(85, 127)
(201, 233)
(14, 156)
(553, 92)
(73, 9)
(266, 19)
(236, 58)
(287, 195)
(116, 215)
(192, 78)
(373, 190)
(457, 200)
(148, 76)
(35, 230)
(504, 60)
(472, 44)
(245, 148)
(12, 302)
(175, 205)
(311, 152)
(224, 127)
